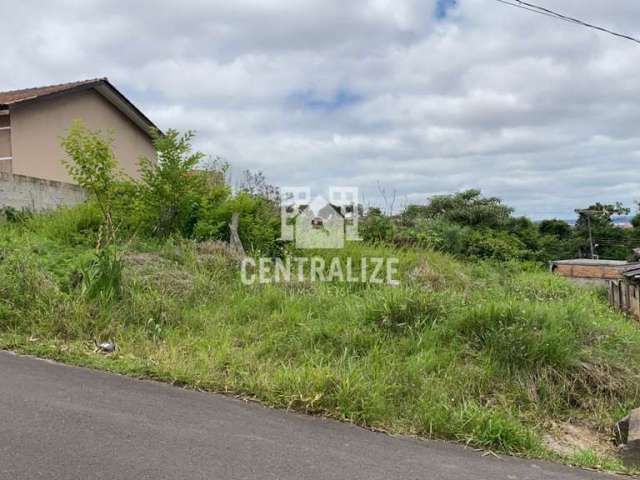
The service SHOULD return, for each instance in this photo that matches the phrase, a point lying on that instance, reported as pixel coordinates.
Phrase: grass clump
(523, 336)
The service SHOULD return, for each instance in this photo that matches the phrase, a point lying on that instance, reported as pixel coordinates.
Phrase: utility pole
(587, 213)
(593, 254)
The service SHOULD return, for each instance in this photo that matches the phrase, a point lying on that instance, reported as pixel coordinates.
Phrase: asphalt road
(61, 422)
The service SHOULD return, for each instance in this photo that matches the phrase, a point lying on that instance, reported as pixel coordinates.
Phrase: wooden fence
(625, 296)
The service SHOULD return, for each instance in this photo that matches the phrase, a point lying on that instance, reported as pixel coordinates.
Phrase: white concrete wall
(19, 191)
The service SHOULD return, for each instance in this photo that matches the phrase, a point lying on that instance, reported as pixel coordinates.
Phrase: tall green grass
(485, 353)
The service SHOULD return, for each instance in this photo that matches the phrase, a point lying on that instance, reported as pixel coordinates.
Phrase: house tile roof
(101, 85)
(633, 272)
(16, 96)
(590, 262)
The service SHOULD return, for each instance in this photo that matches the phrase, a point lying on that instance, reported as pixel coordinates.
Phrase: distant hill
(617, 220)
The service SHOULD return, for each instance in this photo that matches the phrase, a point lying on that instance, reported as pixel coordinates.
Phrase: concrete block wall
(19, 191)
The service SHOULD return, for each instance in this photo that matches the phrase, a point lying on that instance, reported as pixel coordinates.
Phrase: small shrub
(170, 189)
(259, 226)
(494, 245)
(376, 227)
(102, 277)
(14, 215)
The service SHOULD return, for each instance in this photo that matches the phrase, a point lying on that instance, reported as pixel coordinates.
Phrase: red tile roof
(17, 96)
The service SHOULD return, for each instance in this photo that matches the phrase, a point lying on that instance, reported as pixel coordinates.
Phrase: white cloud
(539, 112)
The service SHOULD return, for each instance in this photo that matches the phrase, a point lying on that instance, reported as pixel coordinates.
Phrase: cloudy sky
(414, 96)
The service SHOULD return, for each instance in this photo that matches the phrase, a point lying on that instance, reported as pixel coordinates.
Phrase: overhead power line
(559, 16)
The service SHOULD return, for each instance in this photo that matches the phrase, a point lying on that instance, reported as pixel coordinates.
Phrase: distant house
(585, 270)
(624, 293)
(32, 122)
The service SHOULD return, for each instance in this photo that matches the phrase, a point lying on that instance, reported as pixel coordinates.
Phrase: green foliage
(101, 279)
(170, 188)
(469, 208)
(599, 215)
(404, 309)
(92, 164)
(495, 245)
(558, 228)
(178, 196)
(78, 225)
(469, 225)
(488, 352)
(412, 214)
(481, 243)
(610, 241)
(15, 215)
(259, 227)
(376, 227)
(484, 352)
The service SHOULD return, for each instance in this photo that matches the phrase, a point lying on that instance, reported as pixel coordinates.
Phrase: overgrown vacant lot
(497, 355)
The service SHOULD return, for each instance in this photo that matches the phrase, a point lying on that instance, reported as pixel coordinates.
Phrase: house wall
(588, 271)
(18, 191)
(37, 128)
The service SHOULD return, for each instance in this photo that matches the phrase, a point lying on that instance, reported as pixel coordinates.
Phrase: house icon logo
(318, 222)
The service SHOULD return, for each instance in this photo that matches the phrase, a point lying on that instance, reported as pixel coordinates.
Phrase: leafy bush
(494, 245)
(102, 277)
(170, 191)
(376, 227)
(259, 226)
(15, 215)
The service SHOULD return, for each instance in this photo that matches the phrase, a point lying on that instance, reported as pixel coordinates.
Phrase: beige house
(32, 122)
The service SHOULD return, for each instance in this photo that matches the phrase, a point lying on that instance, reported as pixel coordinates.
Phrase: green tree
(595, 227)
(412, 214)
(92, 164)
(171, 190)
(558, 228)
(599, 215)
(469, 208)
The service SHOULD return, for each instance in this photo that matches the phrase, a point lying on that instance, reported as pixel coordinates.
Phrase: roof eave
(109, 92)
